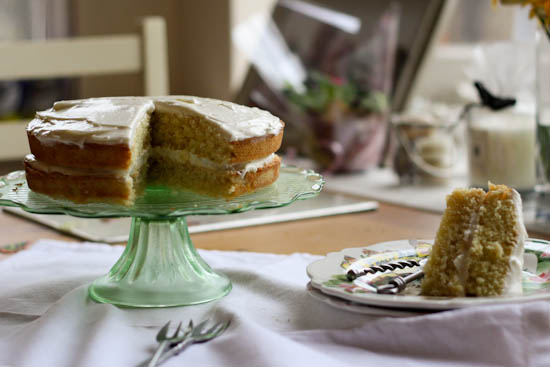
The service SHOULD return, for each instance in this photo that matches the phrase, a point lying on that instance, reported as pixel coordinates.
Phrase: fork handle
(154, 360)
(174, 350)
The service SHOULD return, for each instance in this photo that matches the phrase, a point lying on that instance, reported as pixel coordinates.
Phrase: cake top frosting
(112, 120)
(96, 120)
(240, 122)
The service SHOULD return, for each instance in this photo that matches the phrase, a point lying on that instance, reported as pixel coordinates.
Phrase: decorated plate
(351, 306)
(328, 275)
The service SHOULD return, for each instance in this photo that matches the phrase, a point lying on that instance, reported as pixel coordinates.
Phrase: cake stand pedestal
(160, 267)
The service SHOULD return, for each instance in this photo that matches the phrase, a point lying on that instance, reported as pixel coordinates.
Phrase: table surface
(315, 236)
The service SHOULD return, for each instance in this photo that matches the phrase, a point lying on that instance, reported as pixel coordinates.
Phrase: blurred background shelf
(13, 140)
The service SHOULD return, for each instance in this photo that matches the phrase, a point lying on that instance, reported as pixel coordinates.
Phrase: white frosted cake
(106, 149)
(478, 250)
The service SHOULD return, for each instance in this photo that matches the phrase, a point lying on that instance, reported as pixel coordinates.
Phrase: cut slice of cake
(107, 149)
(478, 249)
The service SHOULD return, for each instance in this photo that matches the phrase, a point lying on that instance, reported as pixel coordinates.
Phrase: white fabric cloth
(47, 319)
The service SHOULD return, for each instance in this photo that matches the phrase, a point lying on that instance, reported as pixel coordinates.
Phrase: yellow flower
(540, 8)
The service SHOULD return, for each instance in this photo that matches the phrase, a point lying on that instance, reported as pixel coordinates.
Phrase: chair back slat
(70, 57)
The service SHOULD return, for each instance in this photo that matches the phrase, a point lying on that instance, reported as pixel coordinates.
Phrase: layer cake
(478, 249)
(107, 149)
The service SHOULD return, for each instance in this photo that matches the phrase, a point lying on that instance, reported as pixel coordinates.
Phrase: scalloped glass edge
(263, 198)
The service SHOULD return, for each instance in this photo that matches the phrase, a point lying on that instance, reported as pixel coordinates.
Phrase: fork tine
(161, 335)
(196, 337)
(183, 335)
(226, 324)
(198, 329)
(177, 330)
(214, 329)
(213, 332)
(223, 327)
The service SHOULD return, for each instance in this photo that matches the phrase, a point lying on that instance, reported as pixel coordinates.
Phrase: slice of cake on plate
(107, 149)
(478, 249)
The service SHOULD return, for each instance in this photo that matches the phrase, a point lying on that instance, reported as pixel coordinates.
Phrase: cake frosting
(113, 120)
(97, 120)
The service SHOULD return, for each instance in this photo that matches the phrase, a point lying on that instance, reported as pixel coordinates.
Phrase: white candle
(502, 148)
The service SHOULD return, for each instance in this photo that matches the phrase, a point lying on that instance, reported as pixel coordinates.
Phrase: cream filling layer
(187, 157)
(98, 172)
(461, 262)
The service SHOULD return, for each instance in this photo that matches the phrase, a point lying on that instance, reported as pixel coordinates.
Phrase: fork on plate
(398, 283)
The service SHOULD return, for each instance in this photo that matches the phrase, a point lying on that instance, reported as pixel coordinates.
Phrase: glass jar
(501, 148)
(427, 152)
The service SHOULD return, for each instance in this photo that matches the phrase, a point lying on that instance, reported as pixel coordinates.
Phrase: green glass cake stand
(160, 267)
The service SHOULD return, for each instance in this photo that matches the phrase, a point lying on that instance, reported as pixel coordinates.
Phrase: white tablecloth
(47, 319)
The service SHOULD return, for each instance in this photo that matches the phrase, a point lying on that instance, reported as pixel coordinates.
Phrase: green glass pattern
(160, 267)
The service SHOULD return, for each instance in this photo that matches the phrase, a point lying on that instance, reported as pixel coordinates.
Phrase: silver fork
(197, 335)
(165, 340)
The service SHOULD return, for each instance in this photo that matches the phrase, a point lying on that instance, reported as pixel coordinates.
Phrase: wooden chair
(144, 52)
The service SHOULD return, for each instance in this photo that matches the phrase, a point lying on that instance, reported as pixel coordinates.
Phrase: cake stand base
(159, 268)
